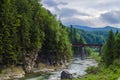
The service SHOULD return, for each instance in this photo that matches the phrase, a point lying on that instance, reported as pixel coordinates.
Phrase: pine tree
(25, 28)
(117, 47)
(116, 32)
(71, 33)
(109, 48)
(9, 28)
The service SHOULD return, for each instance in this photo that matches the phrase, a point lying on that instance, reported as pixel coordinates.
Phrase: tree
(26, 28)
(9, 24)
(117, 47)
(116, 32)
(108, 49)
(56, 46)
(71, 33)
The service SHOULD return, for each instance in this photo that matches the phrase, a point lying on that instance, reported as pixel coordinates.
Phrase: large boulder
(66, 75)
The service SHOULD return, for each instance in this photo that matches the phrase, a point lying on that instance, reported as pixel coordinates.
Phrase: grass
(98, 73)
(104, 74)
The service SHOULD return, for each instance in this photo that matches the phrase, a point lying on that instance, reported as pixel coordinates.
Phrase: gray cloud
(62, 3)
(86, 12)
(67, 12)
(107, 5)
(112, 17)
(52, 3)
(76, 21)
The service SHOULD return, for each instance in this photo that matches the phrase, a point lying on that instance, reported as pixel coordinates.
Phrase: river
(77, 67)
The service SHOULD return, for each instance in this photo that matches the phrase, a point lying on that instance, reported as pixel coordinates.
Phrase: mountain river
(77, 68)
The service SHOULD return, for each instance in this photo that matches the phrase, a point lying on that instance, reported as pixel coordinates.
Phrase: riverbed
(77, 68)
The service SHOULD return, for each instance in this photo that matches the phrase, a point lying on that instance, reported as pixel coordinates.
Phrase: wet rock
(66, 75)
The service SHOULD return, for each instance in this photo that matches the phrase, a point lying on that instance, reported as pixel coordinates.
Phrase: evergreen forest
(28, 30)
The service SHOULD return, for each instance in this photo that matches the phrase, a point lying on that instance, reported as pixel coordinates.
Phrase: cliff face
(30, 60)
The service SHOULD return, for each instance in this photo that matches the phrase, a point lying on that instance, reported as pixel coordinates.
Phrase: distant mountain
(87, 28)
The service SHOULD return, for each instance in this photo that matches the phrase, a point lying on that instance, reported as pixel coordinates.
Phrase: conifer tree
(117, 47)
(9, 28)
(116, 32)
(109, 48)
(25, 27)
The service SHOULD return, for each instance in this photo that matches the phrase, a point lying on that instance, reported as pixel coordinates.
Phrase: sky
(94, 13)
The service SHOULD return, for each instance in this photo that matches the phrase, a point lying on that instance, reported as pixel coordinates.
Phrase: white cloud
(86, 12)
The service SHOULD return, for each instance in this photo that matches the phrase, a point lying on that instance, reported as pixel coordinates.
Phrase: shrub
(116, 62)
(92, 70)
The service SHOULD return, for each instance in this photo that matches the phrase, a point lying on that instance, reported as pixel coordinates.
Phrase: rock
(66, 75)
(43, 70)
(30, 60)
(12, 73)
(4, 77)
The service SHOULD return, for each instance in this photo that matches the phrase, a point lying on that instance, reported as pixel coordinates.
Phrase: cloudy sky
(94, 13)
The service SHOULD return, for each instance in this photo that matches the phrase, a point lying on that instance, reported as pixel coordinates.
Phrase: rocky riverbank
(18, 72)
(12, 73)
(77, 68)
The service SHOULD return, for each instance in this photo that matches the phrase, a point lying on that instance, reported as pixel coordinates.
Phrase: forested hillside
(96, 37)
(27, 28)
(89, 28)
(93, 37)
(75, 36)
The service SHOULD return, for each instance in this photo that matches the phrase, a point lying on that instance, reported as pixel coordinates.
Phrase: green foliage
(108, 68)
(110, 58)
(109, 49)
(92, 70)
(75, 37)
(95, 55)
(26, 26)
(98, 73)
(116, 62)
(96, 37)
(88, 51)
(116, 47)
(81, 36)
(8, 29)
(56, 45)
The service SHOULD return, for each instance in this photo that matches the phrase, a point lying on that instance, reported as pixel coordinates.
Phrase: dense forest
(75, 36)
(96, 37)
(30, 34)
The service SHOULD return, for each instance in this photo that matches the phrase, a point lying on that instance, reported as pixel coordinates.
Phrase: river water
(77, 67)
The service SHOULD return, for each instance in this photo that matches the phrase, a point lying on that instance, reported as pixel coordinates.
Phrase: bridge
(83, 54)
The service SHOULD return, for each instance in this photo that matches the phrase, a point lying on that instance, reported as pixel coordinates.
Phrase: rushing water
(77, 68)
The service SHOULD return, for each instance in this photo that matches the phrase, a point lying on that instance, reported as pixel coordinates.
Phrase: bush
(92, 70)
(102, 73)
(95, 56)
(116, 62)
